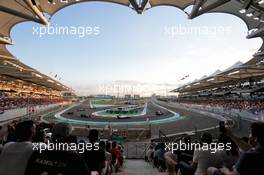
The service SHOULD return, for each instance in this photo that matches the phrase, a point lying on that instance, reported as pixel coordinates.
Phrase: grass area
(50, 117)
(118, 102)
(114, 114)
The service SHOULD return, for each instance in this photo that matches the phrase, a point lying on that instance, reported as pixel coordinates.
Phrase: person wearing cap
(58, 161)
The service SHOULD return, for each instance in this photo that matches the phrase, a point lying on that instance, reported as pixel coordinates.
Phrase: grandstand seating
(252, 106)
(14, 103)
(156, 154)
(111, 156)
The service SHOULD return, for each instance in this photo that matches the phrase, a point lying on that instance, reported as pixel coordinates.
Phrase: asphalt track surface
(84, 109)
(190, 121)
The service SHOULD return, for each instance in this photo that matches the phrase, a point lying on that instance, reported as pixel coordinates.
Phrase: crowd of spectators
(249, 105)
(7, 103)
(244, 156)
(20, 154)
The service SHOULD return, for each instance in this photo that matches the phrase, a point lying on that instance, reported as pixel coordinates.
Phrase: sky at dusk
(148, 53)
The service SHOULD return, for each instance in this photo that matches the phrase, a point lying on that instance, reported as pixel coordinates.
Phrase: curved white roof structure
(251, 70)
(13, 12)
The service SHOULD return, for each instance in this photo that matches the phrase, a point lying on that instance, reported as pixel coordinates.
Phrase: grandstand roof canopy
(251, 70)
(13, 12)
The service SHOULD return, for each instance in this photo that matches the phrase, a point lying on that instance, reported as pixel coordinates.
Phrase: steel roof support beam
(4, 57)
(35, 9)
(258, 53)
(257, 33)
(254, 67)
(19, 14)
(247, 4)
(143, 6)
(5, 41)
(135, 5)
(195, 9)
(211, 7)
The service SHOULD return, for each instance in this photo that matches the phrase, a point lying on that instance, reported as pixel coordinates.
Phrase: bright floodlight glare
(51, 1)
(261, 2)
(64, 1)
(242, 11)
(249, 14)
(257, 16)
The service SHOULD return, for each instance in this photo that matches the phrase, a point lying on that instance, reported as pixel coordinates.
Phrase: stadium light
(232, 73)
(261, 18)
(196, 83)
(242, 11)
(51, 2)
(211, 79)
(260, 2)
(64, 1)
(256, 18)
(249, 14)
(37, 75)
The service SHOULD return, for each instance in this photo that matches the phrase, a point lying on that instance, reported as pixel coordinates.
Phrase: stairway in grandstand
(139, 167)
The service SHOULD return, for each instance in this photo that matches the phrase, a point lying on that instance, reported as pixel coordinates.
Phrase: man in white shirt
(15, 155)
(202, 159)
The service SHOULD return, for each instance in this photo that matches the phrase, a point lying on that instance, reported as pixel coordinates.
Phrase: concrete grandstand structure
(252, 70)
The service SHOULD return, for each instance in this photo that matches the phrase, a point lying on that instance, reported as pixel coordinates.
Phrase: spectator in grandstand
(39, 136)
(95, 158)
(171, 162)
(10, 102)
(14, 157)
(108, 158)
(150, 153)
(58, 160)
(159, 159)
(116, 156)
(121, 159)
(185, 155)
(11, 136)
(244, 144)
(155, 157)
(1, 139)
(251, 105)
(1, 135)
(108, 155)
(250, 162)
(229, 156)
(202, 159)
(172, 159)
